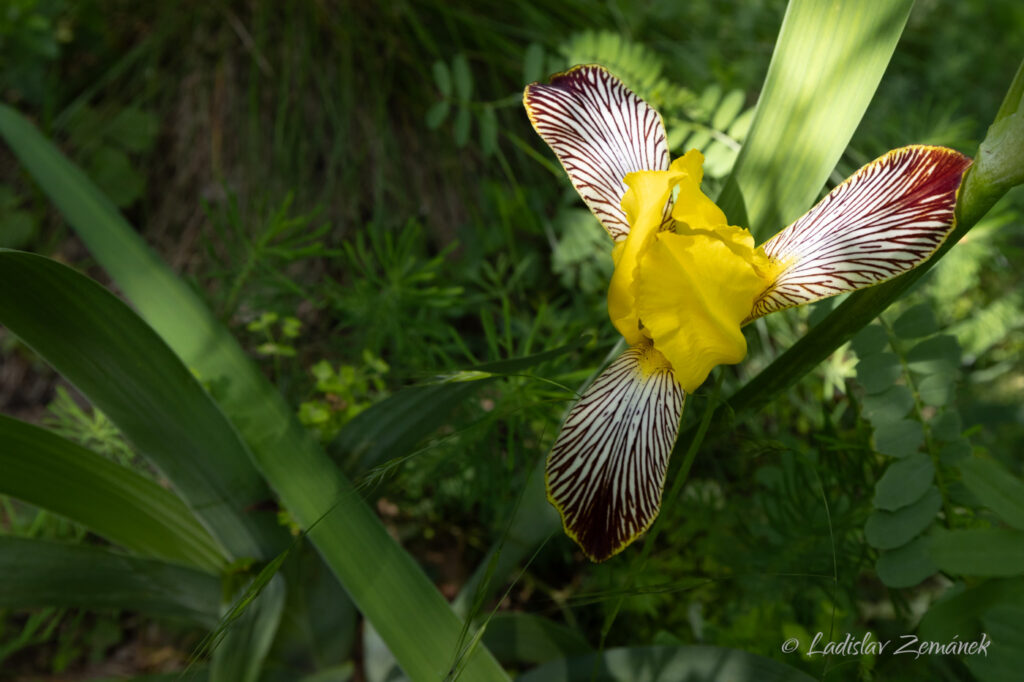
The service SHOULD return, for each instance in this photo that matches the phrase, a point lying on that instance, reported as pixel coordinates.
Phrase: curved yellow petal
(693, 291)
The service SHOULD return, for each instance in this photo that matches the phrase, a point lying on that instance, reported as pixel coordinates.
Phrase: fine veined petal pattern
(884, 220)
(600, 131)
(606, 471)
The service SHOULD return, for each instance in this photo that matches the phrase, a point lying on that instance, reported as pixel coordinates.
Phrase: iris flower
(686, 281)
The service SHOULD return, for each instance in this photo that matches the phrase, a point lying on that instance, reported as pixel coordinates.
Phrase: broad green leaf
(463, 78)
(437, 113)
(937, 354)
(899, 438)
(488, 131)
(1003, 627)
(666, 664)
(827, 63)
(463, 123)
(888, 530)
(937, 390)
(127, 371)
(979, 552)
(891, 405)
(442, 77)
(916, 322)
(870, 340)
(908, 565)
(878, 372)
(947, 426)
(390, 590)
(40, 573)
(904, 482)
(954, 452)
(996, 488)
(959, 611)
(123, 506)
(528, 638)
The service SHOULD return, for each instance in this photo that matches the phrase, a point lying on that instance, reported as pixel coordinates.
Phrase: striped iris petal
(600, 131)
(884, 220)
(607, 469)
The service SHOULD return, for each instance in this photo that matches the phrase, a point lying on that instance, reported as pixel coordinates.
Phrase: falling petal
(600, 131)
(886, 219)
(607, 469)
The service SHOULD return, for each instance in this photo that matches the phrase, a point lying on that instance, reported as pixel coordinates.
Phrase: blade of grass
(39, 573)
(828, 61)
(113, 501)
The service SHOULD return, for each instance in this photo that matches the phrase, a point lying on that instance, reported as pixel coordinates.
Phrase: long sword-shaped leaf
(38, 573)
(42, 468)
(127, 371)
(828, 61)
(383, 580)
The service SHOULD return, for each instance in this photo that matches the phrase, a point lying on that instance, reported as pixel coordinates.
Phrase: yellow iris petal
(693, 290)
(690, 289)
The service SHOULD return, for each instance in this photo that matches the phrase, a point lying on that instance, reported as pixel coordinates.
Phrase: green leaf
(133, 129)
(39, 573)
(729, 108)
(1003, 626)
(954, 452)
(870, 340)
(442, 78)
(959, 610)
(112, 171)
(888, 530)
(527, 638)
(908, 565)
(900, 438)
(828, 61)
(391, 589)
(996, 488)
(437, 113)
(533, 63)
(889, 406)
(878, 372)
(904, 482)
(934, 355)
(937, 390)
(947, 426)
(666, 664)
(119, 363)
(979, 552)
(123, 506)
(463, 123)
(463, 78)
(915, 322)
(488, 131)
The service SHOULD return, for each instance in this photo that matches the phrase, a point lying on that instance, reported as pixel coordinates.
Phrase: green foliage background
(357, 194)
